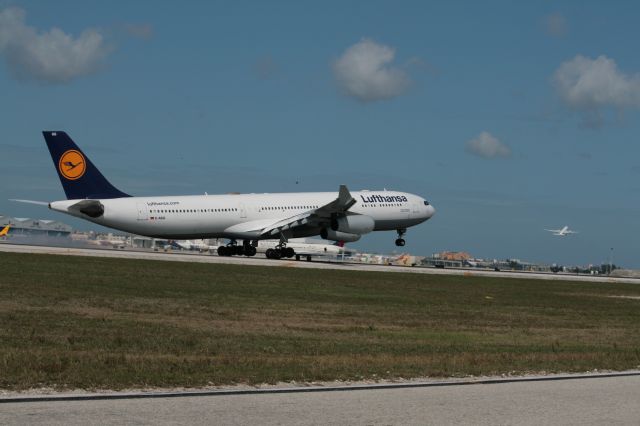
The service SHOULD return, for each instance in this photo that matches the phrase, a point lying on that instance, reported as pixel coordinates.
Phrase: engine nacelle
(354, 224)
(330, 234)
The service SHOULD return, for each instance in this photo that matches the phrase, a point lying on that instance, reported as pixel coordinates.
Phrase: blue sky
(511, 117)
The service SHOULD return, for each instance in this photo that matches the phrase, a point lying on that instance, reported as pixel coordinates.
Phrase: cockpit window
(426, 203)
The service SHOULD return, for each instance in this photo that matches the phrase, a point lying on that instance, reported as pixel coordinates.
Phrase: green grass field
(98, 323)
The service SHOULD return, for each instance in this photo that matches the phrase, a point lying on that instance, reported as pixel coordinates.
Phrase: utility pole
(610, 261)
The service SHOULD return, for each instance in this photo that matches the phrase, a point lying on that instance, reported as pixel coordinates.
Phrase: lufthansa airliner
(244, 219)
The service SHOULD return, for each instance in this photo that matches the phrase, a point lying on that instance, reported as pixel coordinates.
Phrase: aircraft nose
(430, 211)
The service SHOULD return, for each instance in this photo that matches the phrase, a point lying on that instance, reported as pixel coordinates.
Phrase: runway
(261, 261)
(569, 401)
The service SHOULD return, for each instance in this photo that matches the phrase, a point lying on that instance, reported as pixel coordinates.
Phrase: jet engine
(354, 224)
(330, 234)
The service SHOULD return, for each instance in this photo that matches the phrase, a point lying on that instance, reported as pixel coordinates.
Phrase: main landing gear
(400, 241)
(233, 249)
(280, 251)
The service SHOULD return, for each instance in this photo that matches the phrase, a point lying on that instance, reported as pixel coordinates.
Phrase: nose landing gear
(400, 241)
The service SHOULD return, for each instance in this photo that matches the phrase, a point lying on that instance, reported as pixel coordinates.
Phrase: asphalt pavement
(262, 261)
(585, 401)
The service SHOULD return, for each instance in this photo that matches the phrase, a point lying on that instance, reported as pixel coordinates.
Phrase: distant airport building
(449, 259)
(453, 255)
(35, 227)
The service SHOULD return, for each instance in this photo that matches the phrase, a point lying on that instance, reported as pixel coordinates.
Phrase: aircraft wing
(312, 218)
(275, 229)
(340, 205)
(317, 217)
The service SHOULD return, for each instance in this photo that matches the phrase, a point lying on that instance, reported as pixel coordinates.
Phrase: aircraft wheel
(250, 251)
(222, 251)
(269, 253)
(277, 254)
(237, 250)
(288, 252)
(400, 242)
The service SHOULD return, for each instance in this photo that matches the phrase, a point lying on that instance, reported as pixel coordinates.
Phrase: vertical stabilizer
(79, 177)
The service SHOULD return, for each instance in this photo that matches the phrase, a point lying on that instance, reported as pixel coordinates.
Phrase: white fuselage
(562, 232)
(303, 247)
(237, 216)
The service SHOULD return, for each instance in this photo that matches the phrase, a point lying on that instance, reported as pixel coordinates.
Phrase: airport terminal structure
(36, 227)
(46, 231)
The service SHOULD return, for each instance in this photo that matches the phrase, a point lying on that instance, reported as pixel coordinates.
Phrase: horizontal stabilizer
(40, 203)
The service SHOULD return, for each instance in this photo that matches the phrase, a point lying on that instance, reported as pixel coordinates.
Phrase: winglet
(345, 200)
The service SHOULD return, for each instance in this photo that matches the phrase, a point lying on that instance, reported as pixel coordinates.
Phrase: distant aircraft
(243, 219)
(198, 245)
(306, 248)
(108, 242)
(561, 232)
(5, 231)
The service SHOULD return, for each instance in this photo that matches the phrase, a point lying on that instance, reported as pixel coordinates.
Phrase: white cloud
(364, 72)
(555, 25)
(49, 57)
(487, 146)
(589, 85)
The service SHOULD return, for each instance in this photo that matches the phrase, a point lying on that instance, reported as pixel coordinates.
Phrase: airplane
(108, 241)
(562, 232)
(5, 232)
(307, 248)
(336, 216)
(198, 245)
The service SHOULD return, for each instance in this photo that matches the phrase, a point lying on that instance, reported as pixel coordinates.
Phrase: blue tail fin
(79, 177)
